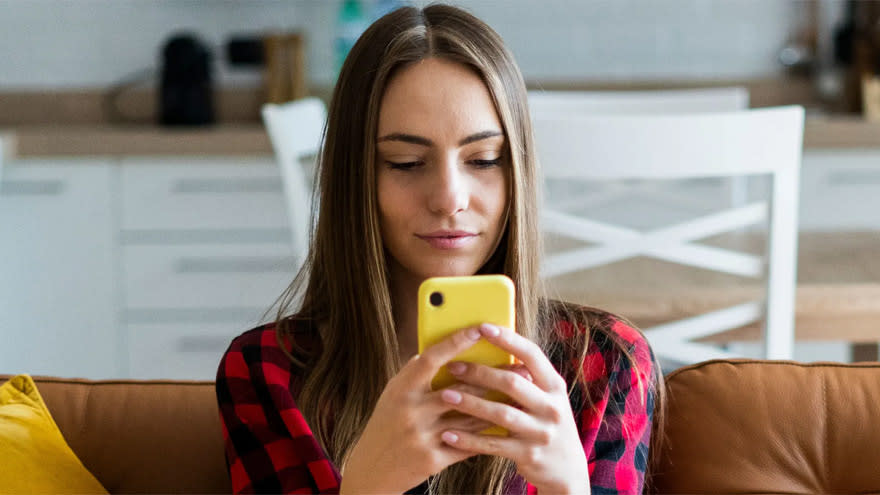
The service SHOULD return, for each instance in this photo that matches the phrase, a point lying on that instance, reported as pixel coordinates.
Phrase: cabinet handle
(203, 343)
(32, 187)
(227, 185)
(205, 236)
(854, 177)
(239, 264)
(228, 315)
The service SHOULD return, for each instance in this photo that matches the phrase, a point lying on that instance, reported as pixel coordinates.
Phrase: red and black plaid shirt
(271, 449)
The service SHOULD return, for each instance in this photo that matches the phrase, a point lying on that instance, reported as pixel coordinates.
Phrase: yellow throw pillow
(34, 458)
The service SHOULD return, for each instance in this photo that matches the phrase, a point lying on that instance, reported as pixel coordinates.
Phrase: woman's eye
(486, 163)
(403, 165)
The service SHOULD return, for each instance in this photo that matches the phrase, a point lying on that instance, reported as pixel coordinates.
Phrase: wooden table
(838, 294)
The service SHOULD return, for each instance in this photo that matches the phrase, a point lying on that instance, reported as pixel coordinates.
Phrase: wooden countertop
(838, 294)
(251, 139)
(79, 140)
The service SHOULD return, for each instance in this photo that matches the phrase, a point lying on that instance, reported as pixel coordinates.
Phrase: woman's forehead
(438, 99)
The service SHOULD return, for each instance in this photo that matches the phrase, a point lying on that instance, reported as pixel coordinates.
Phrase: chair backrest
(696, 100)
(763, 141)
(674, 101)
(296, 130)
(664, 146)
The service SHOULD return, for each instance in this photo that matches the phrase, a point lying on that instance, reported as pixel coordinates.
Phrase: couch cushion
(142, 436)
(746, 426)
(34, 458)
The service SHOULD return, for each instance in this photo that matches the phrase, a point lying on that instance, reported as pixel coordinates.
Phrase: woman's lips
(451, 240)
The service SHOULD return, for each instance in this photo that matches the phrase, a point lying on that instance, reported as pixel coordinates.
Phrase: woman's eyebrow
(479, 137)
(406, 138)
(423, 141)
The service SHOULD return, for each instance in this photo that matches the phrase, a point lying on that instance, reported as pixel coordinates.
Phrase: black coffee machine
(186, 91)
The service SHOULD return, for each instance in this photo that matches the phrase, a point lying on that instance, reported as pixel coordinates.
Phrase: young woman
(427, 169)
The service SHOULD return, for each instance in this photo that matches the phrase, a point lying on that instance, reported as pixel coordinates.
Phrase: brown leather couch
(739, 426)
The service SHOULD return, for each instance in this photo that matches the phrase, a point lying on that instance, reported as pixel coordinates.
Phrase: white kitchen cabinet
(182, 351)
(184, 304)
(205, 248)
(206, 275)
(58, 263)
(142, 267)
(199, 194)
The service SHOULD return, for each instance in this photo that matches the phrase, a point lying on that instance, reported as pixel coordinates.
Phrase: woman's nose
(449, 192)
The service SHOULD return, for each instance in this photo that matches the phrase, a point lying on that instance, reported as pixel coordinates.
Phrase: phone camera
(436, 299)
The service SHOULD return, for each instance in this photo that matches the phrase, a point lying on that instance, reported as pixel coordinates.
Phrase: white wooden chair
(763, 141)
(296, 130)
(671, 101)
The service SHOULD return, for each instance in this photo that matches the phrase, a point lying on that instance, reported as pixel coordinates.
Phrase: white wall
(86, 43)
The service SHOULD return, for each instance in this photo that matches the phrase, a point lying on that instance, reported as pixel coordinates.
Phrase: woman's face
(441, 171)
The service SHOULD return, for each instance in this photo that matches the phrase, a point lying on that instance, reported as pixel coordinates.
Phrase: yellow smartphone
(449, 304)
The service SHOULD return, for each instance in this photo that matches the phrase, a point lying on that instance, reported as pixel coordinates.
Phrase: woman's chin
(451, 270)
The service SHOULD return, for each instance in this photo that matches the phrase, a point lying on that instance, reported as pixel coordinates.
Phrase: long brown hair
(342, 291)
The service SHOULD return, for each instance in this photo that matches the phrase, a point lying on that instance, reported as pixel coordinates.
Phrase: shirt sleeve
(269, 447)
(617, 436)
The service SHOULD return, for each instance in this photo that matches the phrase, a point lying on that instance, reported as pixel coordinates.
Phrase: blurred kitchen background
(94, 43)
(142, 218)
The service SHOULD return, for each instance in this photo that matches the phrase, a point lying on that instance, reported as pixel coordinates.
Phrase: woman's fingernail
(489, 330)
(456, 368)
(451, 396)
(473, 334)
(449, 437)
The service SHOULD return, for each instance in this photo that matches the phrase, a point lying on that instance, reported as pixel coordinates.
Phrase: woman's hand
(543, 438)
(401, 444)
